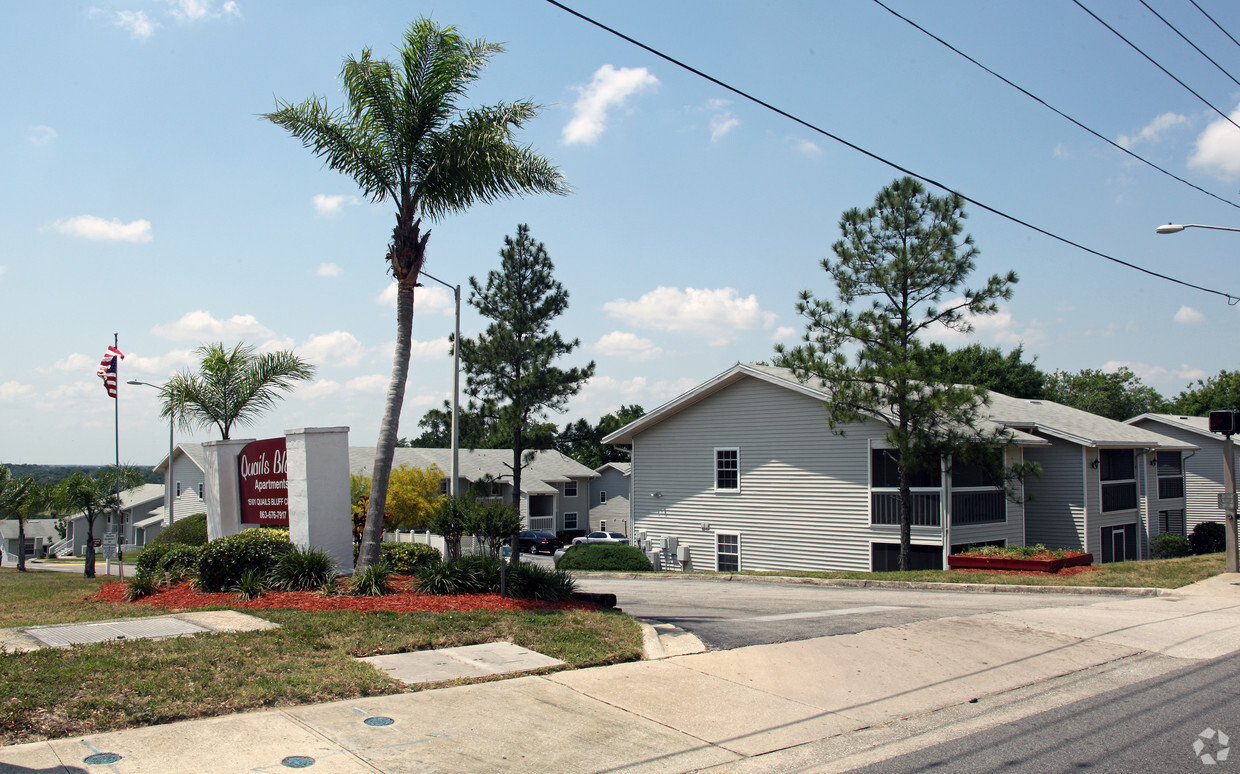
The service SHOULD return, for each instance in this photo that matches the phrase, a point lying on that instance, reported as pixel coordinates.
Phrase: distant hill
(54, 474)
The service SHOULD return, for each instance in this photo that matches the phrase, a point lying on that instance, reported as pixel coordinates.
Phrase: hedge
(605, 556)
(189, 531)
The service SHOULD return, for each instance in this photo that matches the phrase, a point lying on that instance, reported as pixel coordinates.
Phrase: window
(602, 497)
(1117, 471)
(200, 491)
(570, 488)
(443, 487)
(884, 471)
(727, 553)
(885, 557)
(1172, 521)
(602, 525)
(178, 489)
(570, 521)
(727, 470)
(885, 505)
(1170, 475)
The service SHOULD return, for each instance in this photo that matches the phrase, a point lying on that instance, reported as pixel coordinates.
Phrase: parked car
(601, 537)
(535, 541)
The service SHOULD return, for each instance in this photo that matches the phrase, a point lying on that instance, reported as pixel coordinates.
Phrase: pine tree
(510, 367)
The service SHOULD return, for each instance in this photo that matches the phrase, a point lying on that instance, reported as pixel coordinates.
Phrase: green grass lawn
(310, 658)
(1155, 573)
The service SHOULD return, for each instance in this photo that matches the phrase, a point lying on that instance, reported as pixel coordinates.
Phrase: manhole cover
(101, 759)
(110, 631)
(297, 762)
(378, 721)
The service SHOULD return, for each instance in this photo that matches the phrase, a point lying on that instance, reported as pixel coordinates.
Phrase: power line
(1052, 108)
(1189, 42)
(1150, 59)
(1216, 24)
(1231, 300)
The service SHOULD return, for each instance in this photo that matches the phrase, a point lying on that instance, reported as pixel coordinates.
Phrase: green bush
(374, 581)
(1209, 537)
(180, 558)
(1168, 545)
(484, 571)
(190, 531)
(303, 569)
(445, 579)
(605, 556)
(532, 581)
(408, 558)
(141, 585)
(251, 585)
(223, 561)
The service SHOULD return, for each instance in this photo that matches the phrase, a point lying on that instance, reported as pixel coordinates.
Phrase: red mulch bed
(1061, 574)
(182, 596)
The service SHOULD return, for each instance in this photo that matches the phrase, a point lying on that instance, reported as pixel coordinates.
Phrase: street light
(1175, 228)
(168, 472)
(456, 384)
(1229, 448)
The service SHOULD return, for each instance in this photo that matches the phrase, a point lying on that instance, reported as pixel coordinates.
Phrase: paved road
(1150, 726)
(733, 615)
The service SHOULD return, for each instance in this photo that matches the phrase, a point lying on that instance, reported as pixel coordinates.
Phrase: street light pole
(456, 385)
(1175, 228)
(167, 473)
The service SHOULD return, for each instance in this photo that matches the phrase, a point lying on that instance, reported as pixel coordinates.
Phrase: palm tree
(232, 387)
(17, 496)
(93, 496)
(403, 138)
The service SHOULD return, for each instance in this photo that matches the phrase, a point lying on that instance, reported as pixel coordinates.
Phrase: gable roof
(44, 528)
(1197, 425)
(191, 450)
(1018, 416)
(624, 468)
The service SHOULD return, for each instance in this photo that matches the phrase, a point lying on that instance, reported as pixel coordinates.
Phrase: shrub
(374, 581)
(190, 531)
(485, 572)
(251, 584)
(1209, 537)
(605, 556)
(223, 561)
(303, 569)
(408, 558)
(445, 579)
(532, 581)
(179, 558)
(1168, 545)
(141, 585)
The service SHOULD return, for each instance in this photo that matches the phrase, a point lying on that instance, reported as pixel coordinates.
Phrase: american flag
(107, 370)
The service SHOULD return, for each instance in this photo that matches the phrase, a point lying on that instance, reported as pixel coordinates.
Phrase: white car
(601, 537)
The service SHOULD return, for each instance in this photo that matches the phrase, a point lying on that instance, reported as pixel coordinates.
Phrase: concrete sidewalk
(750, 709)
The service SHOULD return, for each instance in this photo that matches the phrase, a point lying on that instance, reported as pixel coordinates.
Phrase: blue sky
(143, 195)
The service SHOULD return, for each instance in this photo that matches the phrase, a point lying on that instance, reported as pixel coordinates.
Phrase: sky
(145, 197)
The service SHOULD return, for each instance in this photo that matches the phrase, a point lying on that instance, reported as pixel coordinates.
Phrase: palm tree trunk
(21, 543)
(385, 449)
(89, 568)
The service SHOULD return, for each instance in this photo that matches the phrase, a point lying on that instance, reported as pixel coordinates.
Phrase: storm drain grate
(110, 631)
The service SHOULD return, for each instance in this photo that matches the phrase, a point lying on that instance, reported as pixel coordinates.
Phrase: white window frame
(178, 489)
(602, 497)
(570, 515)
(200, 490)
(736, 535)
(716, 468)
(567, 486)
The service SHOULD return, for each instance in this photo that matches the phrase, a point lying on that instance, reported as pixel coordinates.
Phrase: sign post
(1228, 423)
(109, 551)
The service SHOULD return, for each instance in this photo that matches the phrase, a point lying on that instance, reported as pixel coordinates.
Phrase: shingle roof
(44, 528)
(1015, 414)
(1198, 425)
(548, 467)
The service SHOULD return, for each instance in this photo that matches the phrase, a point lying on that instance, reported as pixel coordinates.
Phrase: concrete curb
(664, 640)
(976, 588)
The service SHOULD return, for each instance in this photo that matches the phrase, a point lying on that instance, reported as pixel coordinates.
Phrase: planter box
(957, 562)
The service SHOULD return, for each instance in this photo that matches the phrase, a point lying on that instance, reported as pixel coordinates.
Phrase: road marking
(824, 613)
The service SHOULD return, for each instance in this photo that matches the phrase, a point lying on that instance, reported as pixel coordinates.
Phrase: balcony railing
(1120, 496)
(986, 507)
(885, 508)
(1170, 488)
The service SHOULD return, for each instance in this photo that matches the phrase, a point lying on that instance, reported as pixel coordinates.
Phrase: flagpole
(116, 407)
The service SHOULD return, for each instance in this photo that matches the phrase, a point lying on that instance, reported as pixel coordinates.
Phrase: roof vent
(1036, 402)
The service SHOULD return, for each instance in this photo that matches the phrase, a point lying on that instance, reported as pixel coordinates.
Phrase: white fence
(469, 545)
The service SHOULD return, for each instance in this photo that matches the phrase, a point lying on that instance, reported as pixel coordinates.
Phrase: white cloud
(609, 89)
(1218, 149)
(1154, 373)
(326, 388)
(806, 148)
(14, 391)
(1153, 131)
(67, 401)
(719, 314)
(435, 348)
(328, 205)
(136, 24)
(372, 383)
(626, 345)
(199, 325)
(721, 121)
(231, 9)
(604, 394)
(1060, 152)
(100, 230)
(3, 269)
(1188, 315)
(196, 10)
(161, 364)
(999, 329)
(783, 333)
(41, 135)
(329, 270)
(77, 362)
(429, 299)
(338, 348)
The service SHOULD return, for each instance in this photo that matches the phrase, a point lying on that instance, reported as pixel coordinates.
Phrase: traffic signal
(1225, 422)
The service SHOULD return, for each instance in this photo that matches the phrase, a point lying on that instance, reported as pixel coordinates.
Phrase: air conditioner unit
(670, 543)
(656, 559)
(682, 554)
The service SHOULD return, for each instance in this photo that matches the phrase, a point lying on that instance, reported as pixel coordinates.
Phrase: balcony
(885, 508)
(985, 507)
